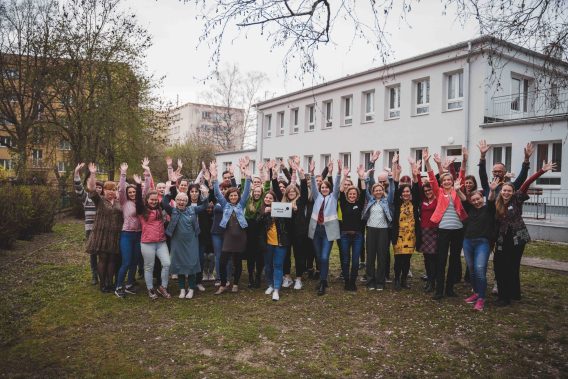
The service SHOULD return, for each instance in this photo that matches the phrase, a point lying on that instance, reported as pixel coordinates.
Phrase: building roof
(236, 152)
(205, 105)
(462, 45)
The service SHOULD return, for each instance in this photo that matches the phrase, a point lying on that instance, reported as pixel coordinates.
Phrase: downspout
(468, 93)
(259, 136)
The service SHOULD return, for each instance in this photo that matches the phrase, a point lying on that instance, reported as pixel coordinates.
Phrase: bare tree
(25, 47)
(234, 117)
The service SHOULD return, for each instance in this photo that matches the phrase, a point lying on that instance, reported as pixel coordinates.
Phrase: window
(347, 110)
(394, 102)
(252, 166)
(226, 165)
(311, 117)
(294, 119)
(502, 154)
(455, 90)
(553, 100)
(37, 157)
(369, 106)
(63, 166)
(11, 73)
(366, 158)
(545, 152)
(422, 96)
(456, 153)
(280, 117)
(268, 122)
(519, 94)
(6, 164)
(345, 159)
(418, 157)
(5, 141)
(308, 160)
(205, 115)
(64, 145)
(327, 114)
(325, 159)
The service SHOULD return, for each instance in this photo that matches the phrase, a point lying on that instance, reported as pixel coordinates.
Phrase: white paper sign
(281, 210)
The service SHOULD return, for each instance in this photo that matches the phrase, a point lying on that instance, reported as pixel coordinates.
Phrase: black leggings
(106, 268)
(507, 267)
(430, 262)
(452, 240)
(401, 266)
(237, 266)
(299, 248)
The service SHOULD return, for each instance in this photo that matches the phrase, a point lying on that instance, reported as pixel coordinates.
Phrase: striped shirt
(450, 220)
(88, 204)
(377, 218)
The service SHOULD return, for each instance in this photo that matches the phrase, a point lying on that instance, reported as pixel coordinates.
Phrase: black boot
(321, 288)
(404, 283)
(352, 284)
(257, 280)
(429, 287)
(397, 285)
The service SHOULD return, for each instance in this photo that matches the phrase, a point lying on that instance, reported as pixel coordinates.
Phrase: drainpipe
(259, 136)
(468, 93)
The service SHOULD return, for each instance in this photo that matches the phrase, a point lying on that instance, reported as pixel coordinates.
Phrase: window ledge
(345, 126)
(392, 118)
(367, 122)
(310, 130)
(420, 114)
(327, 128)
(452, 110)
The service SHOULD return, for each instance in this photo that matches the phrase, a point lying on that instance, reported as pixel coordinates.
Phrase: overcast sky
(175, 54)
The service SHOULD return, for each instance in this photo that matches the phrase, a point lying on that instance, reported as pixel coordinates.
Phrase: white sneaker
(182, 294)
(174, 276)
(298, 284)
(287, 282)
(200, 287)
(189, 294)
(409, 274)
(495, 290)
(217, 283)
(275, 296)
(269, 290)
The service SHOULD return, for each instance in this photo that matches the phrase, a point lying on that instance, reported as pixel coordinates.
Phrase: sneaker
(472, 299)
(363, 279)
(152, 294)
(287, 282)
(220, 290)
(298, 284)
(362, 265)
(200, 287)
(380, 287)
(189, 294)
(479, 305)
(182, 293)
(217, 283)
(275, 296)
(371, 286)
(235, 288)
(495, 290)
(174, 276)
(164, 292)
(269, 290)
(131, 289)
(119, 292)
(409, 274)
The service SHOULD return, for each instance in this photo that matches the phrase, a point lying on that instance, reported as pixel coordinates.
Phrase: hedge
(25, 211)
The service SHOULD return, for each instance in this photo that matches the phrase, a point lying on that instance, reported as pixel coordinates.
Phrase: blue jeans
(476, 252)
(129, 251)
(322, 247)
(217, 240)
(274, 265)
(351, 245)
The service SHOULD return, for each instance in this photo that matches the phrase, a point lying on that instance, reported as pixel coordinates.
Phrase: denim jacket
(175, 215)
(384, 202)
(228, 208)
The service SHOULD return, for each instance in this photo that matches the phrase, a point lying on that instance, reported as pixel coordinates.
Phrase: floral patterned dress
(406, 242)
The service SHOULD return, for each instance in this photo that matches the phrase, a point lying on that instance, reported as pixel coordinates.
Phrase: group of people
(203, 229)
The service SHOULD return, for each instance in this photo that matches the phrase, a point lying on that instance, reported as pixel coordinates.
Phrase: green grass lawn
(545, 250)
(53, 323)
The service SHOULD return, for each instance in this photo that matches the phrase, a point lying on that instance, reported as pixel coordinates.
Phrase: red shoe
(472, 299)
(479, 305)
(164, 292)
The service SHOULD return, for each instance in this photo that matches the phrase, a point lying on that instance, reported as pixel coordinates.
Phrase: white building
(443, 100)
(224, 125)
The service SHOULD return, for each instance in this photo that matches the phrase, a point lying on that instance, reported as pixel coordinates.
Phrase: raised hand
(231, 169)
(169, 161)
(457, 184)
(529, 150)
(465, 154)
(361, 171)
(213, 169)
(175, 176)
(330, 167)
(483, 147)
(448, 162)
(395, 159)
(493, 185)
(145, 164)
(312, 167)
(260, 166)
(123, 167)
(548, 166)
(297, 160)
(137, 179)
(437, 158)
(345, 171)
(180, 164)
(92, 168)
(339, 166)
(376, 154)
(425, 155)
(79, 167)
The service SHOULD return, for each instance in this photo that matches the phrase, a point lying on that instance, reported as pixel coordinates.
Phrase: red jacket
(153, 229)
(444, 201)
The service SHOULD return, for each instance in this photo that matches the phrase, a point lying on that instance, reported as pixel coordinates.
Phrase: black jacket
(283, 229)
(416, 211)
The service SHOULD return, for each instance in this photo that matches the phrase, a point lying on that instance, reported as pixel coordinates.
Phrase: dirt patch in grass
(54, 323)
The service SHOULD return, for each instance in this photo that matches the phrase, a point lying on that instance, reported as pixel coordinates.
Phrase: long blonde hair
(291, 187)
(500, 205)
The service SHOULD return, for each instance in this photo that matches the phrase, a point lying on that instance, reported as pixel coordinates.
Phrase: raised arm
(315, 191)
(246, 192)
(170, 168)
(483, 179)
(78, 186)
(218, 195)
(167, 198)
(545, 167)
(529, 149)
(431, 176)
(139, 199)
(122, 198)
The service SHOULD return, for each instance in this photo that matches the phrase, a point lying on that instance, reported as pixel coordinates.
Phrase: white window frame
(310, 117)
(268, 120)
(7, 164)
(37, 157)
(327, 114)
(252, 165)
(422, 97)
(503, 153)
(520, 97)
(366, 159)
(455, 89)
(557, 173)
(458, 153)
(307, 160)
(417, 155)
(9, 142)
(63, 166)
(325, 159)
(345, 159)
(388, 155)
(347, 110)
(64, 145)
(295, 120)
(368, 106)
(393, 109)
(280, 119)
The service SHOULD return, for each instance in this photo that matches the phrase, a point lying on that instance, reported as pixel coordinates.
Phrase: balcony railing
(538, 103)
